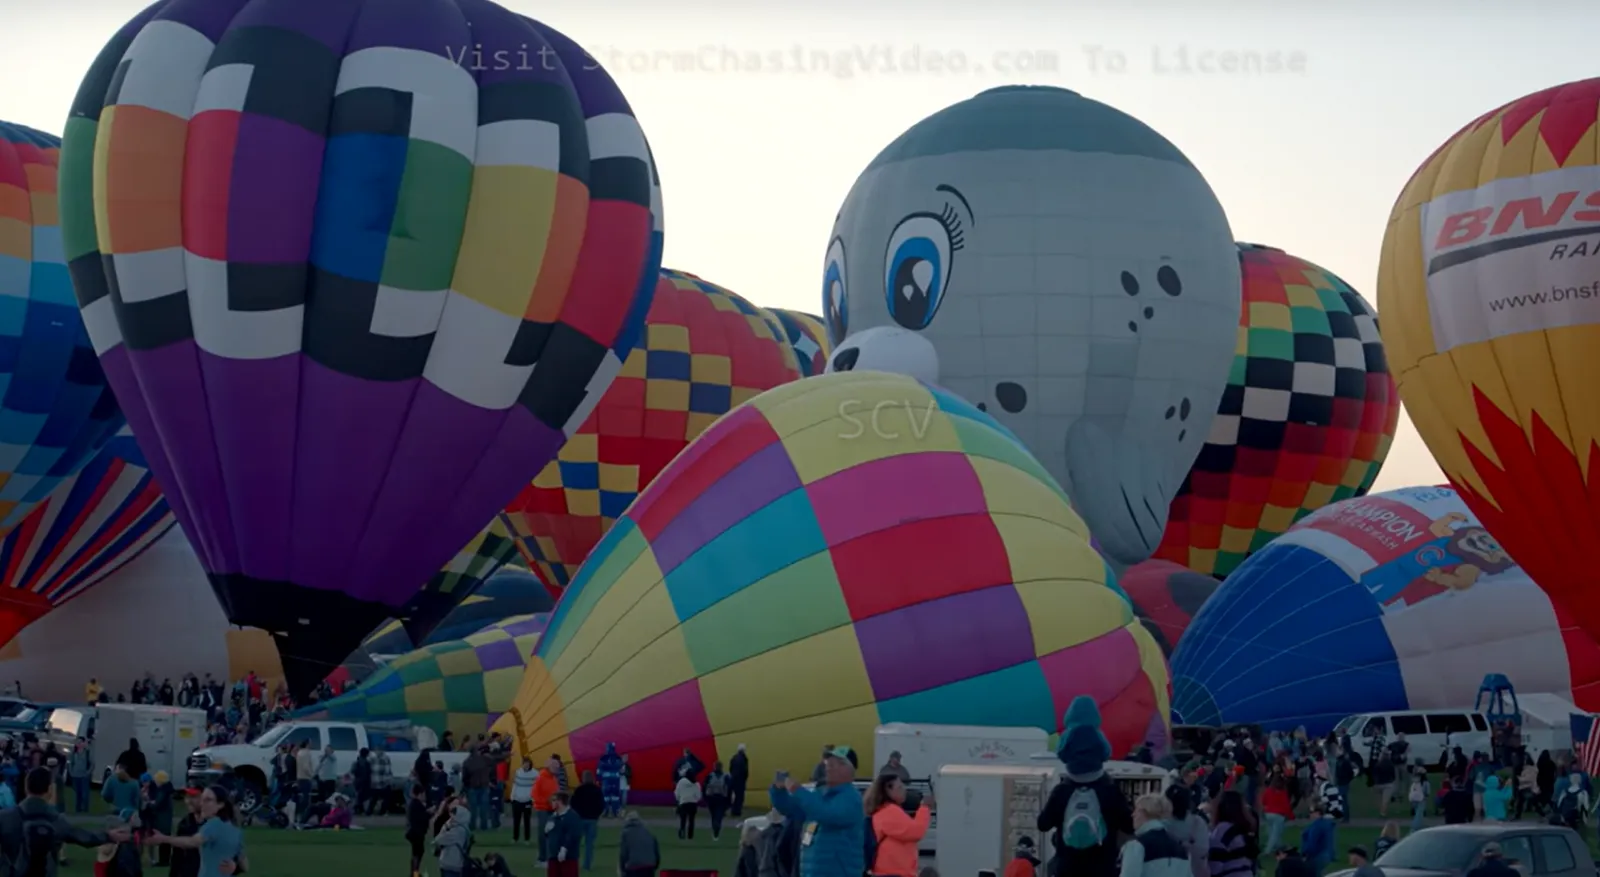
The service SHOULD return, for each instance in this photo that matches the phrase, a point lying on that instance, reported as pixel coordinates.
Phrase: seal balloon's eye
(917, 266)
(835, 298)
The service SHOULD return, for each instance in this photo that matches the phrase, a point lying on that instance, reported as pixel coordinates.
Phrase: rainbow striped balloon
(839, 552)
(94, 523)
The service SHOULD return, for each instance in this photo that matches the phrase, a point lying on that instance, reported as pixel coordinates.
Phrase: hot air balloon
(1492, 326)
(1306, 418)
(802, 534)
(460, 685)
(352, 292)
(809, 338)
(1063, 266)
(509, 592)
(705, 350)
(94, 522)
(56, 409)
(1165, 598)
(479, 559)
(1395, 601)
(156, 614)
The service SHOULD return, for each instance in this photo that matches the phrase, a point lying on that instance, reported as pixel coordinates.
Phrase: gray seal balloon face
(1064, 268)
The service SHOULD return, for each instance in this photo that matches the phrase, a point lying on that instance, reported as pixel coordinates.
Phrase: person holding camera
(899, 818)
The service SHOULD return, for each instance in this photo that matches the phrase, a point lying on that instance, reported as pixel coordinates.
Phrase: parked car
(58, 724)
(1453, 850)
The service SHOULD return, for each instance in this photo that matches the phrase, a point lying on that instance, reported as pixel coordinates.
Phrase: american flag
(1586, 742)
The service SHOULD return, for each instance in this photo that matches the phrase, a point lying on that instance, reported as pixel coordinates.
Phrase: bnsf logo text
(1533, 213)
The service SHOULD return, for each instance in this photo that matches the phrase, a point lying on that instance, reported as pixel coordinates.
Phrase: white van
(1430, 732)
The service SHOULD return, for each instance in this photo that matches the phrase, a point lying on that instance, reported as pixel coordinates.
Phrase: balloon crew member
(1086, 810)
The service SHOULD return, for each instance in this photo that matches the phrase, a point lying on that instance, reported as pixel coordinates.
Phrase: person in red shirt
(1026, 861)
(1277, 811)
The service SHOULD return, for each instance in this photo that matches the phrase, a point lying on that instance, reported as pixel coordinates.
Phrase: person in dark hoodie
(418, 825)
(1455, 801)
(1292, 864)
(38, 809)
(186, 862)
(1086, 810)
(133, 760)
(738, 780)
(565, 832)
(589, 802)
(638, 852)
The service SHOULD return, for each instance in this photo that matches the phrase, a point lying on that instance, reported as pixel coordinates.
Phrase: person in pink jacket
(896, 832)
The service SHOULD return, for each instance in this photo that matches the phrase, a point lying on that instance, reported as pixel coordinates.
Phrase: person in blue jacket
(832, 840)
(1320, 840)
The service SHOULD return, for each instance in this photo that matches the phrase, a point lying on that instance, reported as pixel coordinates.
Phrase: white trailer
(985, 809)
(167, 736)
(924, 749)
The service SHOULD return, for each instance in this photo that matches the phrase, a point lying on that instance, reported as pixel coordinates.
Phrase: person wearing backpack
(1421, 790)
(1086, 810)
(1154, 851)
(718, 797)
(32, 833)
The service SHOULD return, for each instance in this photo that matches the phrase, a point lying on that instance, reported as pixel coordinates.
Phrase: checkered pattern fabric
(462, 685)
(706, 351)
(56, 410)
(466, 572)
(1306, 420)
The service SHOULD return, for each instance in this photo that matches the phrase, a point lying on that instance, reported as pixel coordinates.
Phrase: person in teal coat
(122, 792)
(832, 816)
(1495, 799)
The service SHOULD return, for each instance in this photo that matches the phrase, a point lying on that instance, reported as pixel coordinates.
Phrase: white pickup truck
(251, 763)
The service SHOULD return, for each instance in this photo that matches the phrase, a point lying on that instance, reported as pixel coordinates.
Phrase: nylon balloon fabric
(1396, 601)
(95, 522)
(509, 592)
(353, 288)
(462, 685)
(460, 579)
(1492, 325)
(1306, 419)
(917, 565)
(1166, 596)
(56, 409)
(808, 336)
(706, 350)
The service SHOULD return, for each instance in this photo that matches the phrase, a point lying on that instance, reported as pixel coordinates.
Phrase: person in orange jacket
(544, 802)
(1026, 859)
(896, 832)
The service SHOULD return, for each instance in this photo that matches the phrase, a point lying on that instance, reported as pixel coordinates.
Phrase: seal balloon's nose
(845, 360)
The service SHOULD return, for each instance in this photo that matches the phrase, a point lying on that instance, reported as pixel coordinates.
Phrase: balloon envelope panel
(1492, 325)
(96, 521)
(508, 593)
(460, 685)
(705, 351)
(809, 338)
(775, 587)
(56, 409)
(352, 291)
(1400, 600)
(472, 565)
(1165, 597)
(1306, 419)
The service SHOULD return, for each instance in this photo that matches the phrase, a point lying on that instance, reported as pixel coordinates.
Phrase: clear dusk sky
(1306, 118)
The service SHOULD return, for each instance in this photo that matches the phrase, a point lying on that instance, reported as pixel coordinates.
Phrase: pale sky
(755, 159)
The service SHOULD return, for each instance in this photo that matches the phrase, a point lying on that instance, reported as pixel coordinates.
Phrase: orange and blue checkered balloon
(840, 552)
(1306, 419)
(56, 409)
(705, 351)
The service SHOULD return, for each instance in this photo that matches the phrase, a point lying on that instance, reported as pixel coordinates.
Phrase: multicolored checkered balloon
(466, 572)
(356, 278)
(56, 409)
(706, 350)
(1306, 420)
(461, 686)
(94, 522)
(840, 552)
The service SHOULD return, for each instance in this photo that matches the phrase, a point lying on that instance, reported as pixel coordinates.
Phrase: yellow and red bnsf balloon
(1489, 287)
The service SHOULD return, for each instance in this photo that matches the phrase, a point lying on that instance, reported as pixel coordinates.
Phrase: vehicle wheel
(251, 796)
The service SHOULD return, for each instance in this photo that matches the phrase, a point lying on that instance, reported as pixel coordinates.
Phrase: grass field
(383, 851)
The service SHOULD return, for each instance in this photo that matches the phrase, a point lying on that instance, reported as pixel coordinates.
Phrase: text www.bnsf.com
(1545, 296)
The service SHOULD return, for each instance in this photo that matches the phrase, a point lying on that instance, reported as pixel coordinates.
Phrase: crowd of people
(236, 712)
